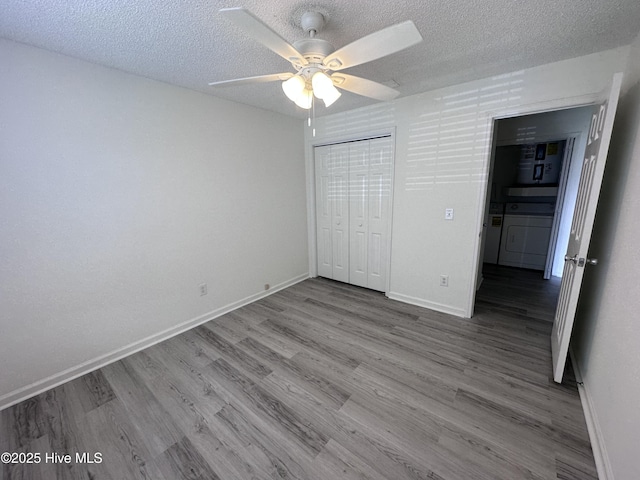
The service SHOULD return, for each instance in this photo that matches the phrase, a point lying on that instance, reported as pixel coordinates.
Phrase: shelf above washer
(532, 191)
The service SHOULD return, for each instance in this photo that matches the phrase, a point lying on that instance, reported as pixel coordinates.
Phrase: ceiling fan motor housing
(314, 49)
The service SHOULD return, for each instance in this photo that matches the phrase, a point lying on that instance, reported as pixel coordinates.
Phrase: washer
(525, 237)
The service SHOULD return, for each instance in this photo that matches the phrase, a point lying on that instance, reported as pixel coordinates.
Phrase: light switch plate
(448, 213)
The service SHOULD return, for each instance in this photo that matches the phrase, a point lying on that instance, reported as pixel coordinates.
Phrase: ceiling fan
(317, 63)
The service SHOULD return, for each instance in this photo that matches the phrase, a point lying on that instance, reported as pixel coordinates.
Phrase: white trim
(600, 455)
(546, 106)
(567, 160)
(392, 182)
(310, 178)
(484, 195)
(540, 138)
(439, 307)
(74, 372)
(354, 137)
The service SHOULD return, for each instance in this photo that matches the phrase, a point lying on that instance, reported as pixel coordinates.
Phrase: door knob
(581, 261)
(360, 225)
(338, 222)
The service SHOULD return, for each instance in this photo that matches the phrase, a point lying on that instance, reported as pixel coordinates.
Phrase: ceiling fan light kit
(293, 87)
(298, 89)
(315, 60)
(323, 88)
(305, 99)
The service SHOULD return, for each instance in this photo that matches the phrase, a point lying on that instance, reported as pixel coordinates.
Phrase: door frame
(567, 159)
(311, 191)
(490, 120)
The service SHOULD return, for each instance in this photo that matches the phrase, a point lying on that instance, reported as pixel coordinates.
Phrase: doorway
(531, 193)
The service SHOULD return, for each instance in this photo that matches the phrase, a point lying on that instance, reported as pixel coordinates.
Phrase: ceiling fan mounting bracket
(312, 23)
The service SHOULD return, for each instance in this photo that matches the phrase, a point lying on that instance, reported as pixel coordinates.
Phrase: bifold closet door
(353, 187)
(332, 211)
(358, 212)
(323, 211)
(379, 212)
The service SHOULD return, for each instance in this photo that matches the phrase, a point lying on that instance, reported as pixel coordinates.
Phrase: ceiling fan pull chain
(313, 107)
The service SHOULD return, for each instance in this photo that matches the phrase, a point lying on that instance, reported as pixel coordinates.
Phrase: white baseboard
(439, 307)
(77, 371)
(603, 465)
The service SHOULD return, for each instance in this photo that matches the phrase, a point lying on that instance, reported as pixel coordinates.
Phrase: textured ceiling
(188, 43)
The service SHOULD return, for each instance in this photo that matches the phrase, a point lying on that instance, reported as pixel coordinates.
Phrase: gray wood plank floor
(321, 381)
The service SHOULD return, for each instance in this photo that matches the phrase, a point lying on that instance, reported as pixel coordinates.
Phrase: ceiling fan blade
(364, 87)
(261, 32)
(376, 45)
(274, 77)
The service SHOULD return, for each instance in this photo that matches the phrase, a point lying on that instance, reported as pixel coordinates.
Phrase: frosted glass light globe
(293, 87)
(305, 99)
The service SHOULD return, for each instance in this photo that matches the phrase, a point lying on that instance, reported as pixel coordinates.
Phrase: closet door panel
(358, 210)
(323, 211)
(375, 267)
(339, 199)
(379, 201)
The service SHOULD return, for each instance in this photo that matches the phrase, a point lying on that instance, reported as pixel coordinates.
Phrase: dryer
(526, 232)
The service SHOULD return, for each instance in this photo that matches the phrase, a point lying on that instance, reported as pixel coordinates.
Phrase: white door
(332, 211)
(353, 211)
(582, 225)
(379, 220)
(324, 218)
(339, 200)
(359, 212)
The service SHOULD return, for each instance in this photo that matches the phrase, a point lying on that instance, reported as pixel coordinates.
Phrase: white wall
(606, 338)
(118, 197)
(442, 146)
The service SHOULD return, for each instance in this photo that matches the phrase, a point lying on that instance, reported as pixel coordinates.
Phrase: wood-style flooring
(325, 381)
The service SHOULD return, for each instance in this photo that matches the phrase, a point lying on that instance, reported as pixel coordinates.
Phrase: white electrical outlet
(448, 213)
(203, 289)
(444, 280)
